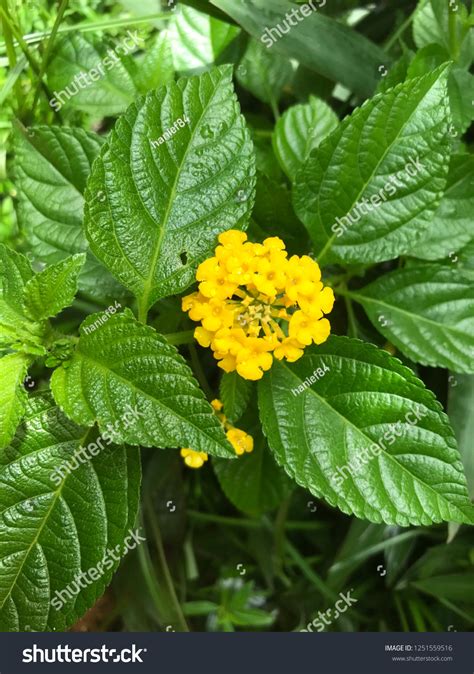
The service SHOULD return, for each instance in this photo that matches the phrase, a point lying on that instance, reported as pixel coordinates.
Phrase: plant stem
(178, 619)
(249, 524)
(199, 372)
(10, 48)
(352, 330)
(47, 51)
(279, 536)
(453, 41)
(403, 26)
(142, 310)
(178, 338)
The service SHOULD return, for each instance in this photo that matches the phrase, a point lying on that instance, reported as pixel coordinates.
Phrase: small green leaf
(155, 69)
(253, 483)
(137, 387)
(198, 39)
(55, 530)
(234, 393)
(431, 25)
(13, 396)
(263, 74)
(299, 130)
(367, 436)
(53, 289)
(452, 225)
(166, 200)
(16, 330)
(426, 311)
(370, 190)
(93, 74)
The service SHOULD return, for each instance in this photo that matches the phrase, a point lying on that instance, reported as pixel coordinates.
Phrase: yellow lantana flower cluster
(254, 303)
(240, 440)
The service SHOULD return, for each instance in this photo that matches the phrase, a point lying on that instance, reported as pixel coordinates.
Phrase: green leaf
(370, 190)
(367, 409)
(53, 289)
(316, 41)
(299, 130)
(452, 226)
(156, 68)
(263, 74)
(427, 312)
(51, 168)
(166, 203)
(51, 533)
(121, 365)
(234, 392)
(13, 394)
(16, 330)
(253, 483)
(461, 413)
(198, 39)
(92, 74)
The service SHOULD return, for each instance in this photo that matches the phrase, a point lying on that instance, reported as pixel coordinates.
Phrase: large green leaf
(198, 39)
(356, 414)
(263, 74)
(92, 74)
(370, 190)
(13, 397)
(452, 225)
(165, 202)
(122, 365)
(318, 42)
(52, 532)
(254, 483)
(426, 311)
(299, 130)
(53, 289)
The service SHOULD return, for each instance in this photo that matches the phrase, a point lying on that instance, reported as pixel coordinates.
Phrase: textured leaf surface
(123, 364)
(318, 42)
(165, 204)
(427, 312)
(108, 90)
(234, 393)
(50, 534)
(452, 225)
(13, 396)
(53, 289)
(417, 476)
(253, 483)
(392, 154)
(299, 130)
(264, 74)
(198, 39)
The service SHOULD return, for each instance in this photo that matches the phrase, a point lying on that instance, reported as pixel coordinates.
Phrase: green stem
(88, 27)
(175, 615)
(352, 331)
(142, 310)
(178, 338)
(47, 52)
(199, 372)
(279, 536)
(10, 48)
(249, 524)
(453, 41)
(308, 572)
(403, 26)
